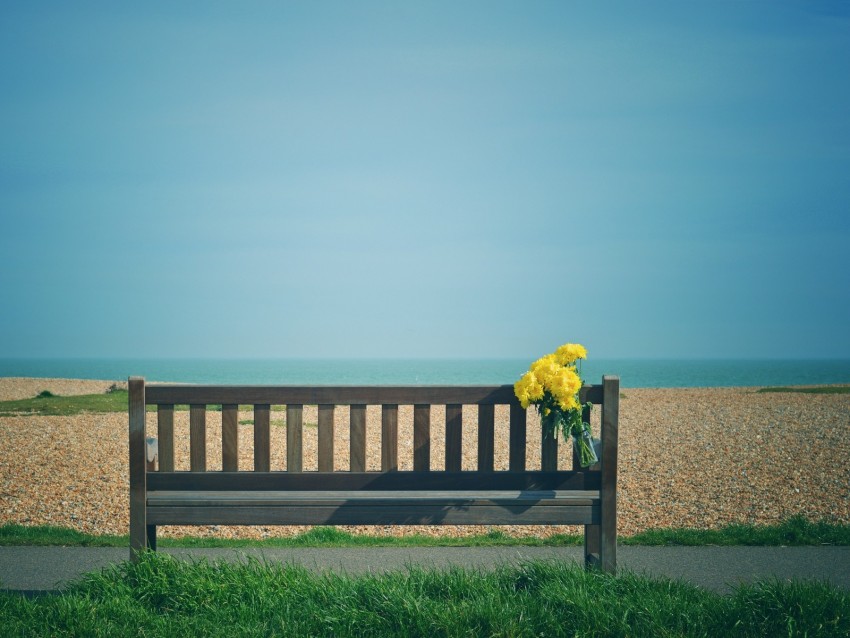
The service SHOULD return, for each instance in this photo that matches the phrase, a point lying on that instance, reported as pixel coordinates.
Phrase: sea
(633, 373)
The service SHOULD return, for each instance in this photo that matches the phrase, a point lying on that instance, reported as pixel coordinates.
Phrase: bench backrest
(355, 400)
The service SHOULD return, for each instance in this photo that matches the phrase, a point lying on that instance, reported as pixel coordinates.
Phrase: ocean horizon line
(633, 373)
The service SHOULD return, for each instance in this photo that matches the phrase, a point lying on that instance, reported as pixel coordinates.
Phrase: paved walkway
(48, 569)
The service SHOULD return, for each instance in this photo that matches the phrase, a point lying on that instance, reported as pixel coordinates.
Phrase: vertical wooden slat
(165, 434)
(454, 437)
(422, 438)
(326, 438)
(516, 454)
(486, 427)
(294, 438)
(549, 451)
(608, 492)
(230, 438)
(358, 438)
(389, 438)
(262, 437)
(138, 476)
(198, 438)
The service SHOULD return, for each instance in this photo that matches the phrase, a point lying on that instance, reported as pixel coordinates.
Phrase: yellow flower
(564, 386)
(570, 352)
(544, 369)
(528, 389)
(569, 403)
(553, 374)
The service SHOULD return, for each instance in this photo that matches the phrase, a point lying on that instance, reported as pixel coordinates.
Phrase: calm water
(634, 373)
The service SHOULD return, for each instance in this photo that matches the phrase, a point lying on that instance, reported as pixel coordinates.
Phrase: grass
(826, 389)
(162, 596)
(42, 535)
(796, 531)
(49, 404)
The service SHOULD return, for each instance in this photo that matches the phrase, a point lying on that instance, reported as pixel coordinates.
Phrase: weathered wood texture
(230, 437)
(262, 437)
(357, 439)
(367, 481)
(486, 437)
(343, 395)
(610, 435)
(294, 438)
(197, 438)
(445, 495)
(389, 438)
(421, 438)
(138, 473)
(326, 438)
(165, 432)
(454, 437)
(591, 532)
(516, 453)
(353, 513)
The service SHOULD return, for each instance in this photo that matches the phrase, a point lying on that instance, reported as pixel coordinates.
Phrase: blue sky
(473, 179)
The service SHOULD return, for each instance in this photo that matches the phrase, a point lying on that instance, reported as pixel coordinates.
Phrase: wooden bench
(354, 496)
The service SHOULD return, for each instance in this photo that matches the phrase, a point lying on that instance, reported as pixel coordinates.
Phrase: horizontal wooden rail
(341, 395)
(288, 481)
(387, 514)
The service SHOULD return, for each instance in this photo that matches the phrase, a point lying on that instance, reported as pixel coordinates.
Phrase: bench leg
(592, 542)
(151, 537)
(608, 545)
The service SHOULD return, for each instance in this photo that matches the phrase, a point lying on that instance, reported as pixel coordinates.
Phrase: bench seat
(411, 507)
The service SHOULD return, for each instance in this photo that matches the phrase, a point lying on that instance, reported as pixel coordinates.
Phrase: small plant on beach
(552, 383)
(45, 394)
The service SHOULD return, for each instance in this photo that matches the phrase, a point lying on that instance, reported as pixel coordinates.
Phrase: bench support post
(608, 492)
(139, 533)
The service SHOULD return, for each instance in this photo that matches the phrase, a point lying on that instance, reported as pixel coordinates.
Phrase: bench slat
(357, 439)
(389, 438)
(165, 434)
(486, 437)
(326, 437)
(549, 451)
(273, 481)
(516, 452)
(262, 437)
(421, 438)
(343, 395)
(198, 438)
(230, 437)
(454, 437)
(449, 498)
(294, 437)
(365, 514)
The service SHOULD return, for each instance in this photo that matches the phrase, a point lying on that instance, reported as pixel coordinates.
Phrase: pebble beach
(688, 457)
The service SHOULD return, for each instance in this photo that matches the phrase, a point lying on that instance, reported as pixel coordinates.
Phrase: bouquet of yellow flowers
(552, 383)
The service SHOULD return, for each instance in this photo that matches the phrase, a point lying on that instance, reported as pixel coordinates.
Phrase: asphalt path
(46, 570)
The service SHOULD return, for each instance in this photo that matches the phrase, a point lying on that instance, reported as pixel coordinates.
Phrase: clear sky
(424, 179)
